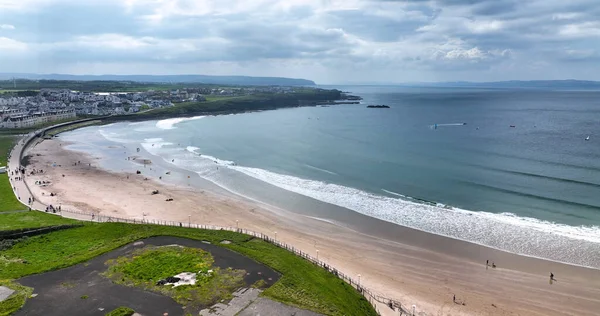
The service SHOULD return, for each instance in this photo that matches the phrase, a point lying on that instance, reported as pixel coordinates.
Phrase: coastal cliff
(258, 102)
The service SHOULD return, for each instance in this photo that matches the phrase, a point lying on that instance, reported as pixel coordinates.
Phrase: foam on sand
(505, 231)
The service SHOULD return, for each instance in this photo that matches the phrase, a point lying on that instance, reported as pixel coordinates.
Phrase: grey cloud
(579, 56)
(62, 21)
(493, 8)
(472, 38)
(375, 28)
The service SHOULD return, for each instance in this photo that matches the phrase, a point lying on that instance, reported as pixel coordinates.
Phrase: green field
(302, 284)
(24, 85)
(31, 219)
(2, 91)
(144, 267)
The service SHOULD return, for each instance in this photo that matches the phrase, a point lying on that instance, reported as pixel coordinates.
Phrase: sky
(328, 41)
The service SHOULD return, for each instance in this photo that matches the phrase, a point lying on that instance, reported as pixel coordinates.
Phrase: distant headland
(204, 79)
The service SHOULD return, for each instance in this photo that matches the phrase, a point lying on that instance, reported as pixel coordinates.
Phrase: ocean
(509, 169)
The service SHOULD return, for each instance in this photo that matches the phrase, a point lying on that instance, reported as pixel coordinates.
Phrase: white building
(24, 121)
(11, 112)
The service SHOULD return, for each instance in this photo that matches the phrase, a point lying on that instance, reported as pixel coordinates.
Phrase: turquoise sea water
(532, 189)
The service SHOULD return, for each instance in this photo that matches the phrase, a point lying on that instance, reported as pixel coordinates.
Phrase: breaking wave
(170, 123)
(505, 231)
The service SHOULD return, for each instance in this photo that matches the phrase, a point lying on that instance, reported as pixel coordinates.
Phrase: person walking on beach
(454, 298)
(551, 276)
(487, 263)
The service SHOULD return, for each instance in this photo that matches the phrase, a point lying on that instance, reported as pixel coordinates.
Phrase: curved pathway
(60, 291)
(23, 192)
(20, 188)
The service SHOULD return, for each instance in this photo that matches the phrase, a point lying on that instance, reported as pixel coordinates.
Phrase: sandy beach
(412, 266)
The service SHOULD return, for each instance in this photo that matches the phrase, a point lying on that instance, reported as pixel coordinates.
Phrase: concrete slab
(241, 299)
(5, 293)
(246, 302)
(56, 299)
(266, 307)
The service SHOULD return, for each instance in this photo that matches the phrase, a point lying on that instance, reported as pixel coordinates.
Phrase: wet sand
(412, 266)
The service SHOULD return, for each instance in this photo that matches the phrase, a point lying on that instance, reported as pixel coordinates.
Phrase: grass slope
(31, 219)
(8, 201)
(6, 144)
(302, 284)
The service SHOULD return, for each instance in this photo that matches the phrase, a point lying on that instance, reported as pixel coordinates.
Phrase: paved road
(59, 292)
(20, 189)
(23, 193)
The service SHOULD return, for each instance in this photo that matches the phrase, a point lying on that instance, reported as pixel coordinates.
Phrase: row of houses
(33, 119)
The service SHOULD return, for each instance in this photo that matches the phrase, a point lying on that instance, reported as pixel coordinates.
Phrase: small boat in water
(587, 138)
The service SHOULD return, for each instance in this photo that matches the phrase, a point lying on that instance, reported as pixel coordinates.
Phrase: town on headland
(28, 103)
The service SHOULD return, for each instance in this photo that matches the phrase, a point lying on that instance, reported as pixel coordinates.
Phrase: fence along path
(15, 161)
(372, 296)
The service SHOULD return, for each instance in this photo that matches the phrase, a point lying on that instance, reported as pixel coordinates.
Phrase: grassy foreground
(16, 300)
(144, 267)
(303, 284)
(31, 219)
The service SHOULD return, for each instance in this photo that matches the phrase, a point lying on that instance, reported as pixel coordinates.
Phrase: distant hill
(226, 80)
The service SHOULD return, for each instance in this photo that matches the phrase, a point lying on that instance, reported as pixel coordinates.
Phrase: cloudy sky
(328, 41)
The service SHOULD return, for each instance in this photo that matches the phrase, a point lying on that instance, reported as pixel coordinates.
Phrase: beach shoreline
(413, 266)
